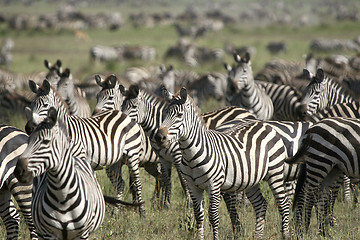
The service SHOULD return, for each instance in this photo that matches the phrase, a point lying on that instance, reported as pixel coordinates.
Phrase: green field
(32, 47)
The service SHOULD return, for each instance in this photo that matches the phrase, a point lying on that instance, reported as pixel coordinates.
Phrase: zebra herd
(267, 132)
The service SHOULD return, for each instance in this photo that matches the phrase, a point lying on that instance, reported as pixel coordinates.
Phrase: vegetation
(32, 47)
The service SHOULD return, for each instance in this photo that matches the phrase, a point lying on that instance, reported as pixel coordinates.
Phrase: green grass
(32, 47)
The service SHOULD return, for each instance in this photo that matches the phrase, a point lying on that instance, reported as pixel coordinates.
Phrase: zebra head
(316, 93)
(53, 75)
(65, 85)
(134, 104)
(46, 97)
(240, 75)
(178, 119)
(167, 76)
(110, 96)
(44, 150)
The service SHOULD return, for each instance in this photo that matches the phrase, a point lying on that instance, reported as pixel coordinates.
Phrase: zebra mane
(177, 100)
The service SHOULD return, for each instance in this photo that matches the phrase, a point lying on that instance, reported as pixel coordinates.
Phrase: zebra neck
(63, 180)
(153, 115)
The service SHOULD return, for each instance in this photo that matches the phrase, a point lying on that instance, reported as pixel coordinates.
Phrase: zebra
(149, 162)
(286, 100)
(54, 69)
(207, 166)
(147, 109)
(67, 202)
(323, 92)
(107, 137)
(13, 142)
(329, 151)
(74, 97)
(249, 94)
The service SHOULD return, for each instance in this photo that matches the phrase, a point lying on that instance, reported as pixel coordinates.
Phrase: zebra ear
(28, 113)
(319, 77)
(227, 67)
(133, 91)
(170, 68)
(47, 64)
(33, 86)
(246, 58)
(307, 74)
(52, 116)
(123, 90)
(58, 63)
(66, 73)
(46, 86)
(165, 93)
(162, 68)
(99, 80)
(112, 81)
(183, 95)
(237, 58)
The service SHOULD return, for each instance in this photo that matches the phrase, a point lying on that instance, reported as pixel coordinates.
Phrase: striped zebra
(249, 94)
(12, 144)
(107, 138)
(74, 97)
(330, 150)
(147, 109)
(207, 165)
(67, 202)
(54, 69)
(286, 100)
(323, 92)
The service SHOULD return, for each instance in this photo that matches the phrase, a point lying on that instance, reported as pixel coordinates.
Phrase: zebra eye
(46, 141)
(180, 114)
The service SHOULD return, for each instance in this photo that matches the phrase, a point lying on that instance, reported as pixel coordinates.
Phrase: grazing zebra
(330, 150)
(107, 138)
(67, 201)
(12, 144)
(54, 69)
(249, 94)
(147, 109)
(323, 92)
(74, 97)
(225, 161)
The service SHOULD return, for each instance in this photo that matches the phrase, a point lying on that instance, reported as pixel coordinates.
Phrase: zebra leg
(183, 182)
(214, 202)
(153, 170)
(22, 192)
(230, 200)
(133, 165)
(166, 173)
(260, 205)
(347, 194)
(9, 214)
(115, 176)
(198, 206)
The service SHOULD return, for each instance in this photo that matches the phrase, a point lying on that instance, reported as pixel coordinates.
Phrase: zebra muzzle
(161, 138)
(21, 172)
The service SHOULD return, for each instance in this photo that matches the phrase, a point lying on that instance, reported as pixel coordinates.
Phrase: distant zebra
(74, 97)
(225, 161)
(67, 201)
(13, 142)
(14, 103)
(248, 94)
(147, 109)
(54, 69)
(330, 150)
(107, 138)
(323, 92)
(5, 52)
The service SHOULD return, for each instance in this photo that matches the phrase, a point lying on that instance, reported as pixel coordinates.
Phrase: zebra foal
(225, 162)
(67, 201)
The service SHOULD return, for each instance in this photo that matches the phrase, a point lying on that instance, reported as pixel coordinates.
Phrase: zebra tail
(299, 184)
(297, 158)
(115, 202)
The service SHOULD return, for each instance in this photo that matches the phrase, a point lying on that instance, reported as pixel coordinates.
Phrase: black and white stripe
(330, 150)
(13, 142)
(243, 91)
(225, 161)
(107, 138)
(67, 202)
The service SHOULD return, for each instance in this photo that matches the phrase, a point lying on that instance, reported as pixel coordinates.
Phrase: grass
(32, 47)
